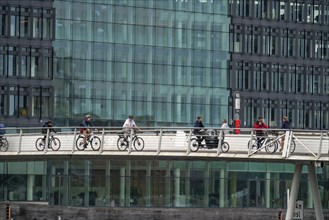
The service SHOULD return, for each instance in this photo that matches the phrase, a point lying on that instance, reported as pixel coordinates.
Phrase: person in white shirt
(224, 126)
(129, 125)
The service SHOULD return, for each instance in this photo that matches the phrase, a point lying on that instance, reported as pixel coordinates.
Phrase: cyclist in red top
(260, 133)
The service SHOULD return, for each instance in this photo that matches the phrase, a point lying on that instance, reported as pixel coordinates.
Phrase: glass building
(165, 61)
(156, 183)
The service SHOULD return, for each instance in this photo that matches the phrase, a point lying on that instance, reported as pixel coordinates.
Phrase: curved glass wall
(163, 61)
(156, 183)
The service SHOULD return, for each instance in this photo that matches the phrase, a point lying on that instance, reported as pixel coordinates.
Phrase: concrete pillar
(53, 176)
(87, 182)
(206, 185)
(107, 197)
(276, 193)
(66, 187)
(148, 183)
(45, 183)
(188, 183)
(268, 190)
(233, 189)
(168, 180)
(309, 204)
(52, 185)
(315, 192)
(122, 185)
(176, 187)
(294, 191)
(128, 183)
(222, 188)
(30, 186)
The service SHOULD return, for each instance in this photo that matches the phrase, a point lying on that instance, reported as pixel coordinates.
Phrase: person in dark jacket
(46, 126)
(2, 129)
(285, 125)
(85, 130)
(200, 131)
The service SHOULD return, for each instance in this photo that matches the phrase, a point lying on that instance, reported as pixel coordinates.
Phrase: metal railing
(172, 141)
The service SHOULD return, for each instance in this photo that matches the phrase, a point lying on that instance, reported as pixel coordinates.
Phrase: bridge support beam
(222, 187)
(177, 187)
(314, 188)
(122, 186)
(294, 191)
(315, 192)
(268, 190)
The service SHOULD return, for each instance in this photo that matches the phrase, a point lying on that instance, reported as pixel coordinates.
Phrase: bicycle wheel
(80, 143)
(122, 144)
(271, 146)
(139, 144)
(252, 143)
(194, 145)
(95, 143)
(225, 147)
(4, 145)
(292, 146)
(40, 144)
(55, 144)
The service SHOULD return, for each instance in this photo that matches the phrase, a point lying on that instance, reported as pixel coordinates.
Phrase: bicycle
(53, 142)
(211, 142)
(93, 141)
(271, 144)
(123, 142)
(4, 144)
(292, 143)
(259, 141)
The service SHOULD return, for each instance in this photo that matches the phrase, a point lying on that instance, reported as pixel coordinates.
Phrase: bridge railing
(173, 141)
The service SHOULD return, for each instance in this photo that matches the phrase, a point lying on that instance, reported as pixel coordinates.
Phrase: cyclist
(2, 129)
(128, 126)
(85, 130)
(260, 133)
(47, 125)
(285, 125)
(200, 131)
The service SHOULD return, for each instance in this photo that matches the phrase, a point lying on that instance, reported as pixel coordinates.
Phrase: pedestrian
(285, 125)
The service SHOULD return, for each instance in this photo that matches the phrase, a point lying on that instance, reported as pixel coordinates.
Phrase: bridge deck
(173, 144)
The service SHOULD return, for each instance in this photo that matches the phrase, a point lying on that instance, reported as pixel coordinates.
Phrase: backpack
(2, 131)
(44, 129)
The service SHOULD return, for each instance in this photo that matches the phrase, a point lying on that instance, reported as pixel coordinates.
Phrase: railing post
(188, 150)
(220, 141)
(131, 140)
(20, 141)
(46, 141)
(287, 142)
(74, 140)
(249, 148)
(102, 141)
(320, 147)
(160, 141)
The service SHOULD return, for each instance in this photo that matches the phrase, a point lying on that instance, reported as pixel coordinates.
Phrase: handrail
(162, 140)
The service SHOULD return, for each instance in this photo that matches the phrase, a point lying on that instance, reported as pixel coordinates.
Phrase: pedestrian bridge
(311, 148)
(172, 143)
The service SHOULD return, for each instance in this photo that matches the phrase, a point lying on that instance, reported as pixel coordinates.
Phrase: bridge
(301, 147)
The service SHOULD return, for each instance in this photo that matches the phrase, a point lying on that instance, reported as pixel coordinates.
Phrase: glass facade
(156, 183)
(163, 61)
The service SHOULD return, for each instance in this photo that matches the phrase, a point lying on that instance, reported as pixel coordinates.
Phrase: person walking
(285, 125)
